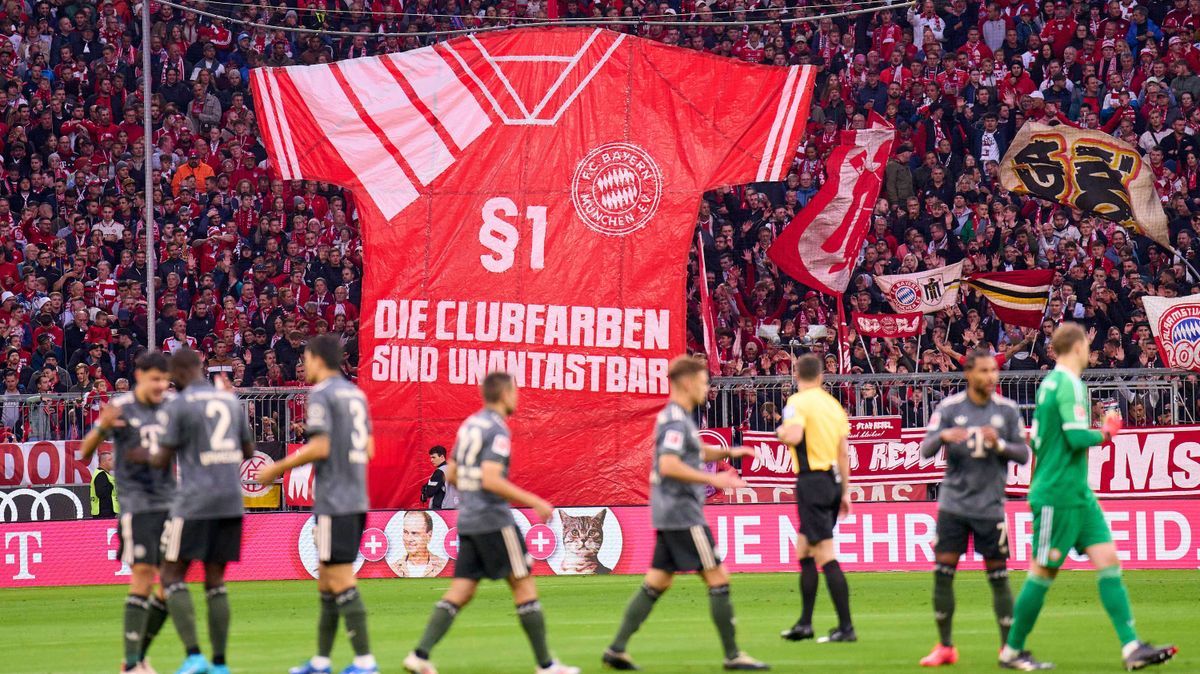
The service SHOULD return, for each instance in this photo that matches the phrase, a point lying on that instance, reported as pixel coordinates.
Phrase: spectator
(437, 492)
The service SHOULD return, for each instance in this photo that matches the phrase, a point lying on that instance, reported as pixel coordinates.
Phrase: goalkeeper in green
(1066, 513)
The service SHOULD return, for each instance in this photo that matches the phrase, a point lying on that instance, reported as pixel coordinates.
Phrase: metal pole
(147, 144)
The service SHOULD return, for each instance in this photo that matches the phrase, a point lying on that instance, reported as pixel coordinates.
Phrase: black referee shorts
(818, 499)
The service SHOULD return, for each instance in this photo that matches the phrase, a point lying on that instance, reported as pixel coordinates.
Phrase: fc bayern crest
(1179, 335)
(616, 189)
(907, 295)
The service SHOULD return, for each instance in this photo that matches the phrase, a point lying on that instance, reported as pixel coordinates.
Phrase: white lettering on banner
(889, 536)
(628, 328)
(24, 557)
(1183, 547)
(922, 542)
(501, 237)
(1147, 462)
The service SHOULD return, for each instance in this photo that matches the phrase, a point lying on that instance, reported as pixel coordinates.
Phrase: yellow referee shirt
(825, 424)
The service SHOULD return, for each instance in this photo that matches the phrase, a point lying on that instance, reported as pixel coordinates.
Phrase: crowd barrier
(1150, 534)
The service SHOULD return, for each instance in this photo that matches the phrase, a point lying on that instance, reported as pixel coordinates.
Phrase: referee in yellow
(816, 428)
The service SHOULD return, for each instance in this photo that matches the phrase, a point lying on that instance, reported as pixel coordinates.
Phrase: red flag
(708, 313)
(887, 325)
(822, 242)
(843, 340)
(1018, 297)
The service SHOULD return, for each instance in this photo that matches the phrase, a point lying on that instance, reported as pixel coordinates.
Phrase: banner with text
(1150, 534)
(43, 463)
(1138, 463)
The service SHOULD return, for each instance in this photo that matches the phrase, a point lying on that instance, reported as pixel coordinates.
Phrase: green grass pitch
(77, 630)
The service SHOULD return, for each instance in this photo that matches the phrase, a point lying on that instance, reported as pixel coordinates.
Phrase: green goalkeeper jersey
(1061, 436)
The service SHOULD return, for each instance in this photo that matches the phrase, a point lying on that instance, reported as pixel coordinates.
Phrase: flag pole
(843, 340)
(868, 352)
(1187, 264)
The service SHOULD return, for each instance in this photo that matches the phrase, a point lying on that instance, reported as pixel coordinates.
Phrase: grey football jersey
(482, 437)
(207, 428)
(337, 408)
(975, 478)
(140, 486)
(675, 504)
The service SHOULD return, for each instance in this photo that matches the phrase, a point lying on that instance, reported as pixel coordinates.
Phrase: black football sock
(809, 581)
(839, 591)
(1002, 601)
(218, 622)
(722, 614)
(636, 612)
(135, 628)
(327, 625)
(156, 615)
(943, 601)
(534, 624)
(439, 623)
(183, 614)
(354, 612)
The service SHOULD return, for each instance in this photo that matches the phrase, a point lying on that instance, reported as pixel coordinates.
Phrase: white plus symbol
(452, 543)
(373, 545)
(540, 541)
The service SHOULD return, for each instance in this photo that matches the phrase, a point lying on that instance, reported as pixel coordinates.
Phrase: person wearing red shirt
(975, 49)
(751, 49)
(1017, 83)
(886, 35)
(1060, 30)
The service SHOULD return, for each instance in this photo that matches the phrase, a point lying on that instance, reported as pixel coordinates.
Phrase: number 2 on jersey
(470, 443)
(220, 440)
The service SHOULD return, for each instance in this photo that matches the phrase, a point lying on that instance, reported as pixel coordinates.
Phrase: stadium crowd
(957, 79)
(249, 267)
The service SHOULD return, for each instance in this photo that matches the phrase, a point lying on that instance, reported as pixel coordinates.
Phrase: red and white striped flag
(819, 247)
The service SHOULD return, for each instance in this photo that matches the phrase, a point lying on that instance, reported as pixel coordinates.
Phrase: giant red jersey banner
(526, 199)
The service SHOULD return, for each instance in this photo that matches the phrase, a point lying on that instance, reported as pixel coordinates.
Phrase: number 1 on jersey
(501, 237)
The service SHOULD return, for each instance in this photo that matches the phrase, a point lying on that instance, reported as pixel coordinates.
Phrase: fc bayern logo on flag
(1179, 334)
(907, 295)
(616, 189)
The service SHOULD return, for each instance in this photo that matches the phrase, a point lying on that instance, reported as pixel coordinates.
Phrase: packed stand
(957, 79)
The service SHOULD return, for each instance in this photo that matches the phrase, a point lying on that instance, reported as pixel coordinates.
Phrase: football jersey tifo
(528, 199)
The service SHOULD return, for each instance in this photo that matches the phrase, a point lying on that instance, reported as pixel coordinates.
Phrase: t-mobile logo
(24, 556)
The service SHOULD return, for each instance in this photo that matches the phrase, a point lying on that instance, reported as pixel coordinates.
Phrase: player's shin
(327, 624)
(218, 621)
(943, 601)
(1115, 598)
(534, 624)
(439, 623)
(156, 615)
(1025, 611)
(721, 608)
(183, 615)
(354, 613)
(1002, 600)
(134, 628)
(636, 612)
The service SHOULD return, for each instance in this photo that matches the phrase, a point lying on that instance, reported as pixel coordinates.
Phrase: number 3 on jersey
(500, 236)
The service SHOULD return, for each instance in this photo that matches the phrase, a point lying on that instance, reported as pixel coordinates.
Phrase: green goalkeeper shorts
(1057, 529)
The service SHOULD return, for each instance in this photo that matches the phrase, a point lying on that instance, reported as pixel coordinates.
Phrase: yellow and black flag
(1017, 297)
(1088, 170)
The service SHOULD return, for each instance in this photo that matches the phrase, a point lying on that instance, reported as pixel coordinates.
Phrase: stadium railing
(1169, 396)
